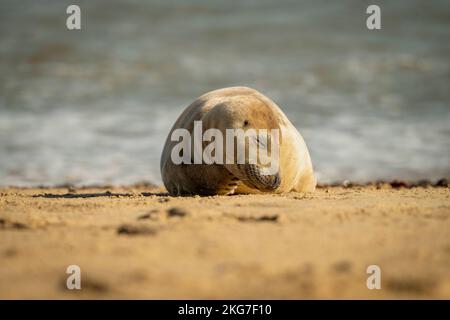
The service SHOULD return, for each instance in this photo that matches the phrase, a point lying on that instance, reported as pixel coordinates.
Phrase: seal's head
(253, 134)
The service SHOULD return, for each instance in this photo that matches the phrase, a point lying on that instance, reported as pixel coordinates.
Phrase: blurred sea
(94, 106)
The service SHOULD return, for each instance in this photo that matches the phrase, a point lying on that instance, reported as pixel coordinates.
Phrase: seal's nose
(264, 182)
(269, 182)
(275, 182)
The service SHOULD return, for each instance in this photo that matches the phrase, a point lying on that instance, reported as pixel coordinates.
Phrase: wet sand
(137, 242)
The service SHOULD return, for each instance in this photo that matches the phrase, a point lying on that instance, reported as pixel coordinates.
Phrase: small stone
(128, 229)
(342, 266)
(176, 212)
(148, 215)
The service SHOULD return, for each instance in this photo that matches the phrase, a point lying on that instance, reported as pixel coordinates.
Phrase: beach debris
(415, 285)
(82, 195)
(149, 215)
(129, 229)
(176, 212)
(347, 184)
(342, 266)
(262, 218)
(161, 200)
(397, 184)
(95, 285)
(380, 184)
(10, 252)
(442, 183)
(5, 224)
(88, 284)
(423, 183)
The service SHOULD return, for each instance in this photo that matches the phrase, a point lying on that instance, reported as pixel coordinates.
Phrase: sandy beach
(138, 242)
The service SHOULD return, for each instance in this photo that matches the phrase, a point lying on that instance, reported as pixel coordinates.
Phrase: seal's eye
(245, 123)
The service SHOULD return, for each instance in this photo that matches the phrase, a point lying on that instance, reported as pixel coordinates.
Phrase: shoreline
(395, 183)
(138, 242)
